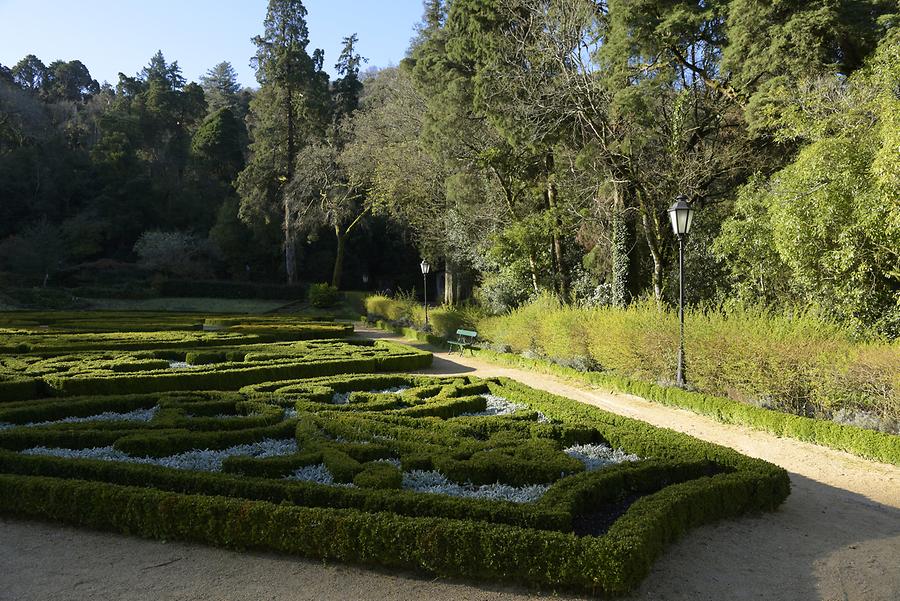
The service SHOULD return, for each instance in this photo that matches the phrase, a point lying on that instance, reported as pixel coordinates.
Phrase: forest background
(524, 147)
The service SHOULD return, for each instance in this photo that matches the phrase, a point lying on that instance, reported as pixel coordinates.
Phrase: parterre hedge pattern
(64, 355)
(594, 531)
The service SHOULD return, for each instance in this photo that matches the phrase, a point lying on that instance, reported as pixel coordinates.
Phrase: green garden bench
(464, 340)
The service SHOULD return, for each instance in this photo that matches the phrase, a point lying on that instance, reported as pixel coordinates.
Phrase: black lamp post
(681, 214)
(425, 269)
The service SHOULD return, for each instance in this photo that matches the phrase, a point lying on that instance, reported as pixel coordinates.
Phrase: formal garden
(473, 292)
(264, 433)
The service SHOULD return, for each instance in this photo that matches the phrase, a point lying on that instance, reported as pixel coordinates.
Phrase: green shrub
(323, 295)
(379, 305)
(443, 320)
(379, 475)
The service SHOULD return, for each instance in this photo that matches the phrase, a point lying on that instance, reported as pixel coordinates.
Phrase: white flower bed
(342, 398)
(197, 460)
(436, 483)
(317, 473)
(138, 415)
(313, 473)
(598, 456)
(180, 365)
(496, 405)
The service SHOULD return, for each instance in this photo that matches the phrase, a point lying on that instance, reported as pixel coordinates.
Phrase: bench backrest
(467, 333)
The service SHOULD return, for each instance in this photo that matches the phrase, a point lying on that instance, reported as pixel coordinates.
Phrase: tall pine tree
(289, 110)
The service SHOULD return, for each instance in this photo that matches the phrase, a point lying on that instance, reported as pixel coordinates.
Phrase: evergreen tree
(30, 73)
(347, 88)
(289, 110)
(221, 87)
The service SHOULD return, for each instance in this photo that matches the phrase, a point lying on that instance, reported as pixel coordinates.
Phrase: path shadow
(442, 366)
(823, 543)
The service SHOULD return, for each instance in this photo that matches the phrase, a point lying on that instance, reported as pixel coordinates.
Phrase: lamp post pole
(682, 215)
(680, 375)
(425, 269)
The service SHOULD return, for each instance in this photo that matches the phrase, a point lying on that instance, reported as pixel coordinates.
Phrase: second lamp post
(425, 269)
(681, 214)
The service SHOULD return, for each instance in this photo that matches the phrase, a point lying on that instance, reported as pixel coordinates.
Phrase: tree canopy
(522, 146)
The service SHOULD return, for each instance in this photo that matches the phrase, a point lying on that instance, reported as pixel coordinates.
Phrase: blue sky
(110, 36)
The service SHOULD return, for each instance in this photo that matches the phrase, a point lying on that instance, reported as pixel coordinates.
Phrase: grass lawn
(205, 305)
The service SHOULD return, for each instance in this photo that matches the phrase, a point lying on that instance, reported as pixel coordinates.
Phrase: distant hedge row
(228, 368)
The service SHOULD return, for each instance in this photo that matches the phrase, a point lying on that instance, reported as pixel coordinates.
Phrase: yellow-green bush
(389, 308)
(798, 361)
(444, 320)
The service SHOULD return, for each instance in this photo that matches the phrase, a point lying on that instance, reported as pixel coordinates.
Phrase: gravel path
(837, 537)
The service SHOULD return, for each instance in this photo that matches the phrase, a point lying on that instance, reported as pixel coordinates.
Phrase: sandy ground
(836, 538)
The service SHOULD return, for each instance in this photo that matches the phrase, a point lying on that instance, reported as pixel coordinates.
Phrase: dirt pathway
(837, 537)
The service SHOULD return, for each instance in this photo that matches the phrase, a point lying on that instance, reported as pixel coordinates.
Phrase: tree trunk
(339, 257)
(532, 265)
(449, 288)
(651, 233)
(291, 143)
(551, 194)
(290, 246)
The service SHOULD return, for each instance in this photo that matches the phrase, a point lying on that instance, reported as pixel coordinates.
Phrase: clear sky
(110, 36)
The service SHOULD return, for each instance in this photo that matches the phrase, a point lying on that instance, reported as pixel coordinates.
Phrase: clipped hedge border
(77, 342)
(612, 563)
(20, 389)
(869, 444)
(401, 358)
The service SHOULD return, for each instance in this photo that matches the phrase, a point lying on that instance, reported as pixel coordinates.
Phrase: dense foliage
(524, 146)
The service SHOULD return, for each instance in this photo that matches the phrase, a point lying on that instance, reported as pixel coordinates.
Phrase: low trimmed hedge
(20, 388)
(681, 482)
(78, 375)
(610, 564)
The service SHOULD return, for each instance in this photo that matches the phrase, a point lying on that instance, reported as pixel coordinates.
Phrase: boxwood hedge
(362, 427)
